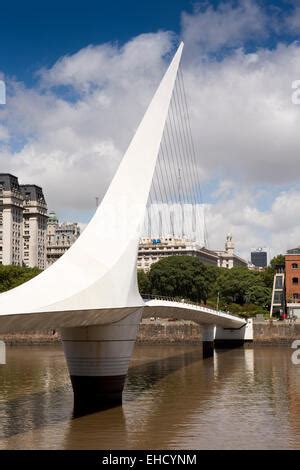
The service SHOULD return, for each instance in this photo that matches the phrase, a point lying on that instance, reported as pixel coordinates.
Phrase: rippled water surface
(242, 398)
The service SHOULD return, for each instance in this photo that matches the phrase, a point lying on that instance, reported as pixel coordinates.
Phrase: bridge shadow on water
(158, 399)
(51, 407)
(146, 375)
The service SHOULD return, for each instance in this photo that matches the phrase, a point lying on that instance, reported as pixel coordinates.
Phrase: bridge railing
(186, 302)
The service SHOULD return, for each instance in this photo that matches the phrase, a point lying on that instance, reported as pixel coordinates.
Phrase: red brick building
(292, 283)
(286, 287)
(292, 278)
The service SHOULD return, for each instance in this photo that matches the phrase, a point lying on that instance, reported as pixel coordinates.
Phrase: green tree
(279, 259)
(240, 290)
(143, 282)
(182, 276)
(234, 285)
(13, 276)
(267, 276)
(259, 295)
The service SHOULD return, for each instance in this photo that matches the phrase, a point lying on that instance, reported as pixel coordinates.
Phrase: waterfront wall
(172, 332)
(169, 332)
(275, 333)
(264, 333)
(157, 332)
(35, 338)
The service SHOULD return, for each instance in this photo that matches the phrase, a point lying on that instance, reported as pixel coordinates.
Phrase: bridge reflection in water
(240, 398)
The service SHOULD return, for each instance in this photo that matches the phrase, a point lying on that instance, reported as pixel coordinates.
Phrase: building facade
(59, 237)
(286, 287)
(278, 303)
(259, 258)
(11, 220)
(152, 250)
(227, 258)
(23, 220)
(292, 282)
(34, 226)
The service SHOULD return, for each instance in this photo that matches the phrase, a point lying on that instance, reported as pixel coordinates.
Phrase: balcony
(292, 302)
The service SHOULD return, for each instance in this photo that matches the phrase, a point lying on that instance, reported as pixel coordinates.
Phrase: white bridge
(91, 293)
(218, 328)
(183, 310)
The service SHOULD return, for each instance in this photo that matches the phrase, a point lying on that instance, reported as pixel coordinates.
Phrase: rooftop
(293, 251)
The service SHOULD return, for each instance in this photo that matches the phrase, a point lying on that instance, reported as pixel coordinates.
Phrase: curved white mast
(99, 271)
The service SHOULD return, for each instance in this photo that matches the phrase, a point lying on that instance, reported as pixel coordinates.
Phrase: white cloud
(109, 65)
(243, 117)
(73, 147)
(209, 28)
(277, 228)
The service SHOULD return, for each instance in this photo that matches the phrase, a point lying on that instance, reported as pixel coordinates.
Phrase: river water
(240, 399)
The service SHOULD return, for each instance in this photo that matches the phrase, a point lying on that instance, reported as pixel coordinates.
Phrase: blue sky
(240, 59)
(34, 34)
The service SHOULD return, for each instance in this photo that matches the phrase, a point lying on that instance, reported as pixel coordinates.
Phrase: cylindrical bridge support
(98, 359)
(208, 338)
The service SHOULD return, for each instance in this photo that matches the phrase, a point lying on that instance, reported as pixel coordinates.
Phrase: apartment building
(23, 223)
(152, 250)
(11, 220)
(34, 226)
(59, 237)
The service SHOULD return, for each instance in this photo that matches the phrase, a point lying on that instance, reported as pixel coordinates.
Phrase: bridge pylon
(98, 358)
(208, 340)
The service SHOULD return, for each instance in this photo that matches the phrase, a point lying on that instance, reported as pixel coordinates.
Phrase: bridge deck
(156, 307)
(185, 311)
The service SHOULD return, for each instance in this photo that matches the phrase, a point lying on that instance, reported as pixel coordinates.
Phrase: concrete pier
(208, 338)
(234, 337)
(98, 359)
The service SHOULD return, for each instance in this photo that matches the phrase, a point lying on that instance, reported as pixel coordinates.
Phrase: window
(295, 280)
(278, 282)
(295, 296)
(278, 298)
(294, 265)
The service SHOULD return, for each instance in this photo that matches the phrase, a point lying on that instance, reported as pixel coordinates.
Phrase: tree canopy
(186, 277)
(143, 282)
(13, 276)
(277, 260)
(242, 286)
(182, 276)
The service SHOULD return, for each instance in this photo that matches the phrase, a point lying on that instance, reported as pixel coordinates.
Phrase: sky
(79, 76)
